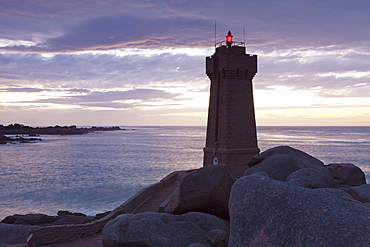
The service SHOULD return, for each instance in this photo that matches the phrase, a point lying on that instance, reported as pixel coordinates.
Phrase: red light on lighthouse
(229, 39)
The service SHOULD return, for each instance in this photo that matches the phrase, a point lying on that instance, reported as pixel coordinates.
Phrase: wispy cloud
(108, 99)
(114, 32)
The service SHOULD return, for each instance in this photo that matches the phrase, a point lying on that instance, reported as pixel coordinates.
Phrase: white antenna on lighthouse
(215, 32)
(244, 35)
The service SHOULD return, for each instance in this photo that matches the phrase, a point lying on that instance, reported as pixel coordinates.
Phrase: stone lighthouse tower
(231, 129)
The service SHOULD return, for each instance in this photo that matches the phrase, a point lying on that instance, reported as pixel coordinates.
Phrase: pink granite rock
(347, 174)
(311, 178)
(279, 162)
(268, 212)
(204, 190)
(360, 193)
(159, 229)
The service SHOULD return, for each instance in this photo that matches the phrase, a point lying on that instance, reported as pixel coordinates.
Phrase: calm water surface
(97, 172)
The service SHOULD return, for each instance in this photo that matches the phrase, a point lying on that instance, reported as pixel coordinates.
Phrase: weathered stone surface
(159, 229)
(200, 245)
(267, 212)
(13, 234)
(280, 162)
(204, 190)
(360, 193)
(217, 238)
(347, 174)
(68, 220)
(311, 178)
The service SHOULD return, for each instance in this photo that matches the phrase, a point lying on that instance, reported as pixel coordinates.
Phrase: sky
(142, 62)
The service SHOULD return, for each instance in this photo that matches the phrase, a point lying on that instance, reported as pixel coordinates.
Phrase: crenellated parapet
(234, 64)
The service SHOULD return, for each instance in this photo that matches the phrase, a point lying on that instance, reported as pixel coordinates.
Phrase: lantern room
(229, 39)
(229, 42)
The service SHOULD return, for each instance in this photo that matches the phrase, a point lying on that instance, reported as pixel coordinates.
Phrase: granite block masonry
(231, 128)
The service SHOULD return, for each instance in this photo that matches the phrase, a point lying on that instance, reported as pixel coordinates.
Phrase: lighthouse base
(236, 159)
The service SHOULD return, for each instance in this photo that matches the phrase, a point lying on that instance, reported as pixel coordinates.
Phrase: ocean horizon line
(129, 126)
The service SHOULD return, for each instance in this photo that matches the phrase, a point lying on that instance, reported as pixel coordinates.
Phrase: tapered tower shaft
(231, 129)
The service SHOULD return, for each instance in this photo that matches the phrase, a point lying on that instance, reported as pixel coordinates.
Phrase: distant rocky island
(21, 131)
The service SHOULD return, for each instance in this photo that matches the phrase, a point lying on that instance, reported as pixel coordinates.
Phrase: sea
(97, 172)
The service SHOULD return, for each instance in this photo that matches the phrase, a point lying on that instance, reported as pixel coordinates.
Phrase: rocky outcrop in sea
(26, 134)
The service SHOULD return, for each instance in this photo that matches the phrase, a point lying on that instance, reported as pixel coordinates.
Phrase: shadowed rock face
(205, 190)
(347, 174)
(267, 212)
(311, 178)
(360, 193)
(280, 162)
(13, 234)
(159, 229)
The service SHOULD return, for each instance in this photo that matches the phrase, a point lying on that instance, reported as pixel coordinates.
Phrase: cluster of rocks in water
(23, 132)
(285, 198)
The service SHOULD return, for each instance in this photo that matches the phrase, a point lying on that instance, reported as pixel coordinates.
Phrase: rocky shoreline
(285, 198)
(26, 134)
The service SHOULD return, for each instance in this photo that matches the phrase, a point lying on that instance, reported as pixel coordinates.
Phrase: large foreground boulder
(280, 162)
(267, 212)
(204, 190)
(158, 229)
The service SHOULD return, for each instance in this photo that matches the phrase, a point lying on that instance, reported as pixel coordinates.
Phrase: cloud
(89, 25)
(333, 67)
(112, 32)
(355, 91)
(21, 90)
(112, 99)
(103, 71)
(17, 89)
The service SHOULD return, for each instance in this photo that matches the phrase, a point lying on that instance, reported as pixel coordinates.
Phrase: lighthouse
(231, 128)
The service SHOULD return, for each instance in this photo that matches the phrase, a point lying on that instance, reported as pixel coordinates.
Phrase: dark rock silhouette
(159, 229)
(20, 129)
(267, 212)
(3, 139)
